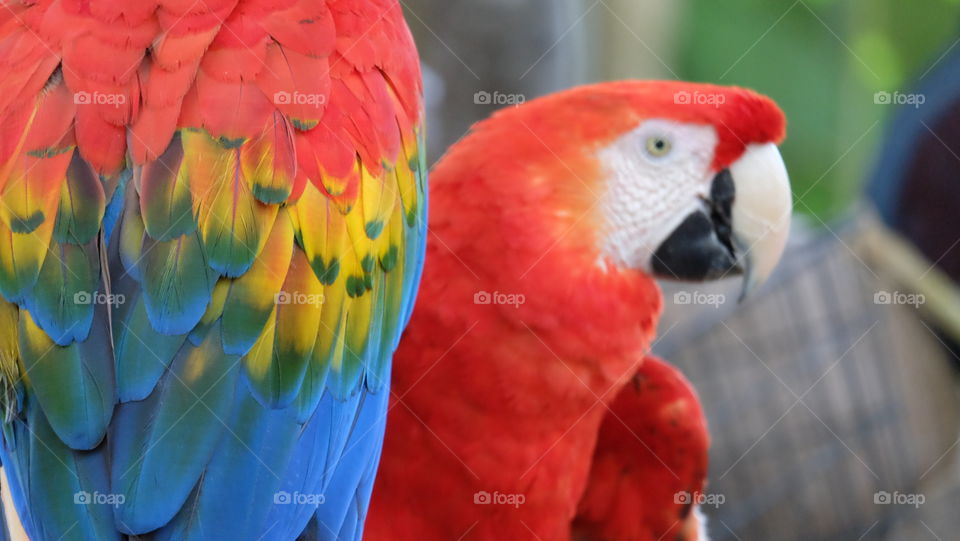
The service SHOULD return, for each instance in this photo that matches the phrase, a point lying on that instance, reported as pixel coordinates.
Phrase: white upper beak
(761, 212)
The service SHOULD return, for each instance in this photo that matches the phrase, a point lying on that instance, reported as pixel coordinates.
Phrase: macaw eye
(658, 147)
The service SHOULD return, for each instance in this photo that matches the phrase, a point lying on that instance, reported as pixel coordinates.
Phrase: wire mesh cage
(831, 402)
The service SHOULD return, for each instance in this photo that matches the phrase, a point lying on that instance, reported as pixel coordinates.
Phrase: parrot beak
(741, 229)
(761, 213)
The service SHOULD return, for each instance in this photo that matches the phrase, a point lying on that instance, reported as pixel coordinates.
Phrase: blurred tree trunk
(638, 39)
(498, 46)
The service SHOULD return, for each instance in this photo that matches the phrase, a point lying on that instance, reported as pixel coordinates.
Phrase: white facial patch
(650, 192)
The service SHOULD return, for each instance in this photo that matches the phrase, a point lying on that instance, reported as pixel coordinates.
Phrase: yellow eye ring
(658, 147)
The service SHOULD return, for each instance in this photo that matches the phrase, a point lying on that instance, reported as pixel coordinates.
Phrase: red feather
(305, 26)
(297, 84)
(239, 49)
(101, 143)
(226, 109)
(652, 447)
(175, 49)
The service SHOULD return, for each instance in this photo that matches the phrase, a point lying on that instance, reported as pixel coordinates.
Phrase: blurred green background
(822, 60)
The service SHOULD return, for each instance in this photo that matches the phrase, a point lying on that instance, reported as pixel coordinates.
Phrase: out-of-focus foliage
(823, 61)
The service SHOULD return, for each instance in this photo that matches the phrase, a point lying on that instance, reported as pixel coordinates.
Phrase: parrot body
(499, 425)
(538, 302)
(211, 235)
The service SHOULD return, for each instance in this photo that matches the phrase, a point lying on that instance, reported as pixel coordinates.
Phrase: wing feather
(261, 163)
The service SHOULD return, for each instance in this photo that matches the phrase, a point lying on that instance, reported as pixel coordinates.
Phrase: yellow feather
(407, 186)
(357, 261)
(377, 195)
(131, 235)
(260, 357)
(217, 300)
(300, 305)
(22, 255)
(329, 346)
(9, 354)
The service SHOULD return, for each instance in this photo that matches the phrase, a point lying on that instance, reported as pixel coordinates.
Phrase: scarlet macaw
(211, 232)
(538, 299)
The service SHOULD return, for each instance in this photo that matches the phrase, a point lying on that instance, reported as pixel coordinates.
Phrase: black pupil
(659, 144)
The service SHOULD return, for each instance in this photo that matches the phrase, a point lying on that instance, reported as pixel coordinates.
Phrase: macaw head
(677, 180)
(696, 188)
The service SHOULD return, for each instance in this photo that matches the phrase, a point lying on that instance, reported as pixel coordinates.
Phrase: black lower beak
(702, 247)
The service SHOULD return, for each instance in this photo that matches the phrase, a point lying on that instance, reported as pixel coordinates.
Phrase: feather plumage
(269, 228)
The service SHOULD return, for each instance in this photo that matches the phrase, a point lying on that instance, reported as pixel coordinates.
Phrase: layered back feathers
(211, 228)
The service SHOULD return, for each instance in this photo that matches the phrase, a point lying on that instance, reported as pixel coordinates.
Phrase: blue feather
(141, 353)
(317, 457)
(161, 445)
(71, 487)
(242, 478)
(115, 207)
(353, 477)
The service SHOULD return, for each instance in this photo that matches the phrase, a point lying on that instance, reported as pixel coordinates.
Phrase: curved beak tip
(761, 213)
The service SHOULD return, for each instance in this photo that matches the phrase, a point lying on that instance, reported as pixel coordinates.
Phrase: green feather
(177, 283)
(63, 301)
(165, 200)
(142, 354)
(82, 204)
(75, 384)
